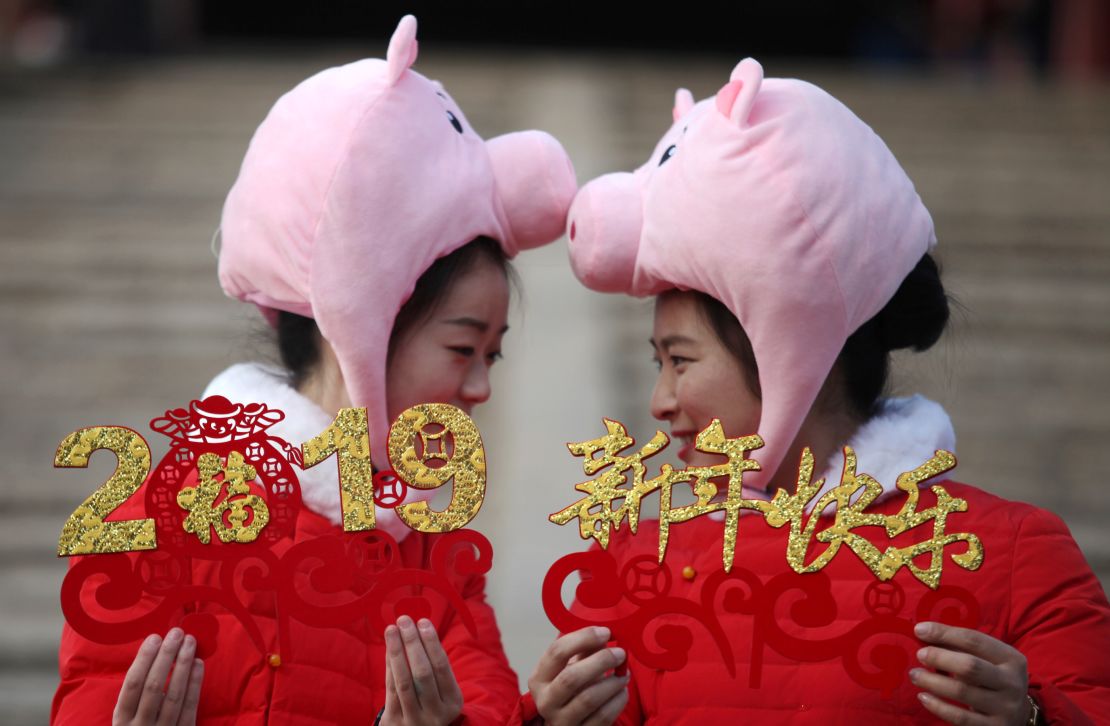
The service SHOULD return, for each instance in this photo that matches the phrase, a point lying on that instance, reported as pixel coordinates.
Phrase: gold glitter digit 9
(466, 465)
(349, 437)
(86, 532)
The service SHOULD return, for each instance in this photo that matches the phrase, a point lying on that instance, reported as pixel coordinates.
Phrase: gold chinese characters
(245, 513)
(623, 479)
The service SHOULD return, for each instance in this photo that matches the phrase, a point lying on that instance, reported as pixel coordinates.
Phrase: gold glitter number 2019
(349, 438)
(86, 532)
(462, 461)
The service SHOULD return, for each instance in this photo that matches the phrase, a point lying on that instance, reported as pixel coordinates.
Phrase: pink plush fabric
(357, 180)
(779, 202)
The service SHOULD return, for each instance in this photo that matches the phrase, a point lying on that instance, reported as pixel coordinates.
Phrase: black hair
(298, 337)
(732, 336)
(914, 318)
(298, 343)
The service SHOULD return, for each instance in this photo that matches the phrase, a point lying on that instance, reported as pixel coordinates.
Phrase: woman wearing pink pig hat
(789, 255)
(372, 227)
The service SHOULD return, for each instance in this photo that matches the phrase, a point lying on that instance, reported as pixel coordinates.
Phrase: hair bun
(918, 313)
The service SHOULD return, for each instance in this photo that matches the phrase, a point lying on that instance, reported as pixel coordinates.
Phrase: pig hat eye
(668, 154)
(455, 122)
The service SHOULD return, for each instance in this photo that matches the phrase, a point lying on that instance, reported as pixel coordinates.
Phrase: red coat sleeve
(91, 676)
(488, 684)
(1060, 621)
(525, 712)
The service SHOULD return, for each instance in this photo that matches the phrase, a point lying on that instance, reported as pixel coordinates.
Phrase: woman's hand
(145, 698)
(983, 673)
(572, 683)
(420, 688)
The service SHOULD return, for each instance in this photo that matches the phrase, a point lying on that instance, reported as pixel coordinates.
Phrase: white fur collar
(254, 382)
(903, 435)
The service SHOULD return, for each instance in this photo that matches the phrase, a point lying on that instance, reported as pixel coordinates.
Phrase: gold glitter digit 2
(349, 437)
(466, 465)
(86, 532)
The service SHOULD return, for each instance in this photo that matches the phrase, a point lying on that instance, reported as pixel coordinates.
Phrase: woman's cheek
(692, 401)
(441, 383)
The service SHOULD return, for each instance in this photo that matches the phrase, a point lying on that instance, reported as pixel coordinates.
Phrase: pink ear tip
(736, 98)
(408, 24)
(683, 102)
(748, 70)
(402, 48)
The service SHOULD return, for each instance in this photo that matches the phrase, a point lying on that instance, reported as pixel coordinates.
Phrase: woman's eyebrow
(467, 322)
(669, 340)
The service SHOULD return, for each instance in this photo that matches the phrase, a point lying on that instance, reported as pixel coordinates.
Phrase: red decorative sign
(630, 600)
(637, 601)
(213, 536)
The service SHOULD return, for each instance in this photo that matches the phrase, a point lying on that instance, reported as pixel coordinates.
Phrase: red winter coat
(1034, 590)
(325, 675)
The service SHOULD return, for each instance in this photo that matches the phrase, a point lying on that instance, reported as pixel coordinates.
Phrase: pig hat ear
(402, 49)
(683, 102)
(736, 98)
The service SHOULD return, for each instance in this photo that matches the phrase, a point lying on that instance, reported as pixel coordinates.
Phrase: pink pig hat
(775, 199)
(355, 183)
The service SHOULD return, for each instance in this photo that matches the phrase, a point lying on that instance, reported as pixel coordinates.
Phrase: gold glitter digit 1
(86, 532)
(349, 437)
(466, 465)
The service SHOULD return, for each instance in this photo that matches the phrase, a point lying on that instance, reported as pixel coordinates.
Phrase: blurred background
(123, 122)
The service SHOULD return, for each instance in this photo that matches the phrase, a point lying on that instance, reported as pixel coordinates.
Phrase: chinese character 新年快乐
(623, 479)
